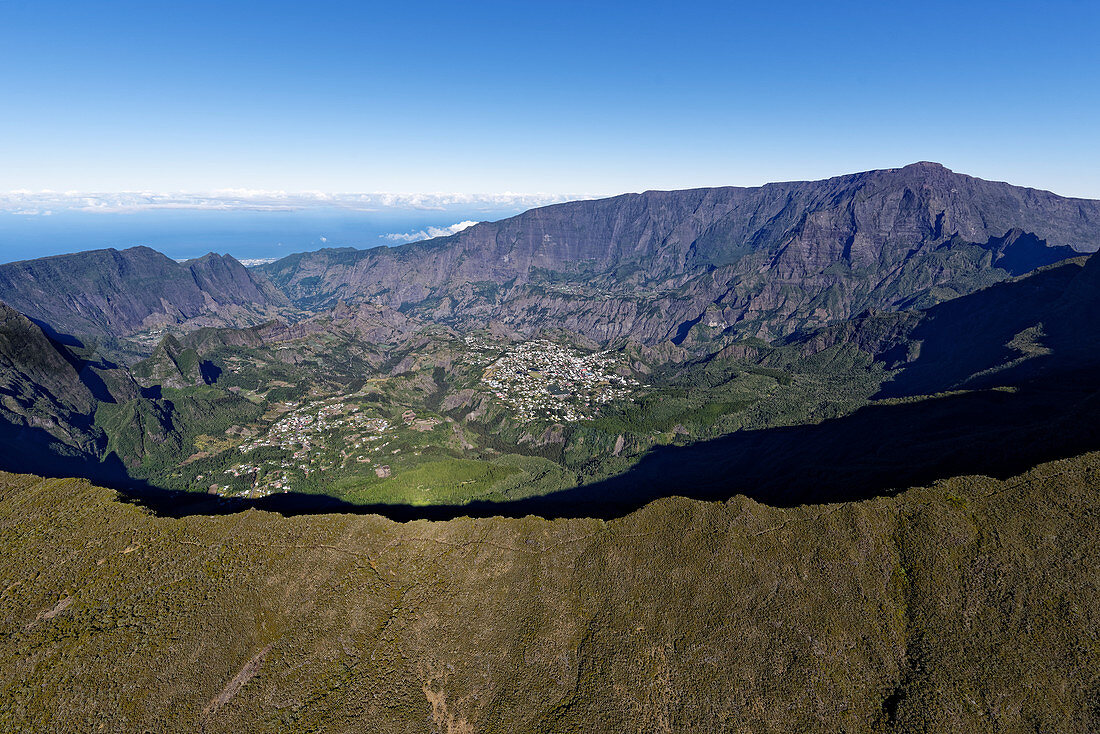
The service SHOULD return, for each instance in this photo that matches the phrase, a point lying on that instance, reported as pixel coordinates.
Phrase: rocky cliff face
(117, 293)
(754, 261)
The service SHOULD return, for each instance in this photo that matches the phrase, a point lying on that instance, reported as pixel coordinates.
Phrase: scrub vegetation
(971, 605)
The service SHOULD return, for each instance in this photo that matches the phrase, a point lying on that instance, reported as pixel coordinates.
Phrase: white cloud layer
(48, 202)
(428, 233)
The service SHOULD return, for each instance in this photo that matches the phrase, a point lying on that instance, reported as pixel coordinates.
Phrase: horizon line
(47, 202)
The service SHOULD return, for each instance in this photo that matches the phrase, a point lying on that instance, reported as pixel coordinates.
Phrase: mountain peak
(925, 167)
(211, 256)
(120, 292)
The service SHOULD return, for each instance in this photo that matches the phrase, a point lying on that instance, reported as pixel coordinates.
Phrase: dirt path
(232, 687)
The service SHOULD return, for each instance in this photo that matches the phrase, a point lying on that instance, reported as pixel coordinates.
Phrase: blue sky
(541, 98)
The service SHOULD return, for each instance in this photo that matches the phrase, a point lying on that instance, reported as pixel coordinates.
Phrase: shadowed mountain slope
(757, 261)
(1042, 324)
(989, 383)
(49, 395)
(40, 391)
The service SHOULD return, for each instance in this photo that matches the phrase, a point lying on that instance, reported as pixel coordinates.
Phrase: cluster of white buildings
(540, 379)
(302, 431)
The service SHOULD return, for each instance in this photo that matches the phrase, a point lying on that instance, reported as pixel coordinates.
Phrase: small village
(534, 380)
(540, 379)
(310, 431)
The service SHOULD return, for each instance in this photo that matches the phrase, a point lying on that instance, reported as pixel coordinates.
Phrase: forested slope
(968, 606)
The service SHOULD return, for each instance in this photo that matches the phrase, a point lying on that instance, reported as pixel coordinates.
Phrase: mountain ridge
(654, 266)
(769, 259)
(116, 293)
(940, 609)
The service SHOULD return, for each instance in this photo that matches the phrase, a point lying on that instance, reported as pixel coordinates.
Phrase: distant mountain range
(651, 267)
(753, 261)
(118, 293)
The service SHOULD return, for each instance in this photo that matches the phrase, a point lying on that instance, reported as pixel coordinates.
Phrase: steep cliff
(46, 404)
(765, 261)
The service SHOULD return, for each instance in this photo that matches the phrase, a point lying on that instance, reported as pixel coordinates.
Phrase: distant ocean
(247, 235)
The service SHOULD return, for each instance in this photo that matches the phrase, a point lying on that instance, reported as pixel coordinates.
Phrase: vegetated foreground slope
(752, 261)
(970, 606)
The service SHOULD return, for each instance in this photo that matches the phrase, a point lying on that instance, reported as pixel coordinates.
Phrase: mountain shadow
(875, 451)
(1003, 335)
(33, 450)
(992, 383)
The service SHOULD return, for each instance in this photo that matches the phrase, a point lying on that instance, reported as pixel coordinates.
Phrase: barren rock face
(771, 259)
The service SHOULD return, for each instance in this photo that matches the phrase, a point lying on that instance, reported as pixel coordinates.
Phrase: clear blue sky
(558, 97)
